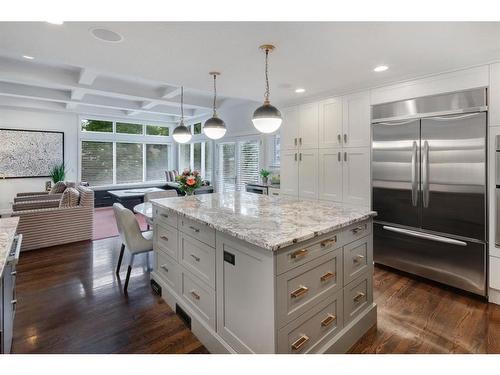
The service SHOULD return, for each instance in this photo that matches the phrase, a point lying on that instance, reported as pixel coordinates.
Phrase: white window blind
(248, 163)
(227, 167)
(97, 163)
(156, 161)
(239, 164)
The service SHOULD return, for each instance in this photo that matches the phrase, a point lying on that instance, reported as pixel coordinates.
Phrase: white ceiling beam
(77, 94)
(33, 74)
(87, 77)
(148, 104)
(170, 92)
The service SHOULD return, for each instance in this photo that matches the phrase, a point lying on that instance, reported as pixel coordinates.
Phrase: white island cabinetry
(250, 282)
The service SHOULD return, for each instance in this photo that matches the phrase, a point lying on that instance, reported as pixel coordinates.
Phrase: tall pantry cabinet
(326, 150)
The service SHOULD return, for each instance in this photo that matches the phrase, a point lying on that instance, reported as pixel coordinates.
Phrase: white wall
(36, 120)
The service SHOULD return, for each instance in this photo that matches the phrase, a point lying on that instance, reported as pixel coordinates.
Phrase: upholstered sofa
(45, 223)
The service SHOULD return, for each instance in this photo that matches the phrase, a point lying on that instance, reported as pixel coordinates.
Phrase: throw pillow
(58, 188)
(70, 198)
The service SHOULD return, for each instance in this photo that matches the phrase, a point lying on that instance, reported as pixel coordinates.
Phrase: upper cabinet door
(289, 131)
(308, 174)
(330, 174)
(356, 123)
(308, 125)
(289, 173)
(356, 176)
(330, 123)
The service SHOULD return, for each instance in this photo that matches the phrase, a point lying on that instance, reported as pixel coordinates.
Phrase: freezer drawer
(461, 264)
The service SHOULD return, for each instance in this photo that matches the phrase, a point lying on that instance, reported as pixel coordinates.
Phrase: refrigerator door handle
(456, 117)
(414, 171)
(425, 174)
(425, 236)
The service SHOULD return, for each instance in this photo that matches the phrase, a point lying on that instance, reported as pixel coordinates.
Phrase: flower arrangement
(189, 181)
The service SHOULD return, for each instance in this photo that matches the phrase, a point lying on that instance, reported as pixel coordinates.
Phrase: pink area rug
(105, 223)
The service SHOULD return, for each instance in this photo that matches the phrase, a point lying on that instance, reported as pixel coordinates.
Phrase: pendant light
(181, 133)
(267, 118)
(214, 127)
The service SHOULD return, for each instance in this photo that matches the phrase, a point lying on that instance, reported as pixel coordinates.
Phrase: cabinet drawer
(273, 192)
(166, 240)
(358, 258)
(198, 258)
(168, 271)
(164, 216)
(298, 255)
(358, 295)
(306, 285)
(200, 297)
(356, 231)
(324, 319)
(201, 232)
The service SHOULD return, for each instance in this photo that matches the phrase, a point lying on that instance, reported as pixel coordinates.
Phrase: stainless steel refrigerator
(429, 187)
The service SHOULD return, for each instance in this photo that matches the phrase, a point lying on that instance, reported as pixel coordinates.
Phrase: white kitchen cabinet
(330, 123)
(289, 131)
(308, 125)
(356, 176)
(330, 174)
(356, 120)
(308, 174)
(289, 173)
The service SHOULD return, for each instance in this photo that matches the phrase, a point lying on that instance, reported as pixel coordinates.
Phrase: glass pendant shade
(214, 128)
(181, 134)
(267, 118)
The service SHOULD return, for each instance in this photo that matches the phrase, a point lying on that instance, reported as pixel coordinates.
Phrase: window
(126, 128)
(128, 163)
(239, 164)
(197, 156)
(97, 163)
(156, 159)
(157, 130)
(97, 126)
(197, 128)
(276, 154)
(128, 155)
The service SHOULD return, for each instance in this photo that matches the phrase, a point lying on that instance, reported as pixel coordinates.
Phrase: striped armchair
(49, 225)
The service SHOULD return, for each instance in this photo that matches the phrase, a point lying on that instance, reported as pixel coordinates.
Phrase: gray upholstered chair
(160, 194)
(135, 241)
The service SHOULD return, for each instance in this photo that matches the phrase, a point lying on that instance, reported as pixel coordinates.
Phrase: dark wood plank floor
(70, 301)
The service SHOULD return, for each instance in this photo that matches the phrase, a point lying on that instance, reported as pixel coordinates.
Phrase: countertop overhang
(268, 222)
(8, 227)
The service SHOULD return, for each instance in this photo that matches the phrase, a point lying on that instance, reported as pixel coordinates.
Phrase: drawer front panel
(165, 217)
(289, 259)
(201, 298)
(198, 258)
(356, 231)
(201, 232)
(306, 285)
(358, 258)
(324, 319)
(168, 270)
(273, 192)
(358, 295)
(166, 240)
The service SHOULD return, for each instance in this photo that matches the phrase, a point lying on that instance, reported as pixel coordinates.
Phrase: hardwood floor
(70, 301)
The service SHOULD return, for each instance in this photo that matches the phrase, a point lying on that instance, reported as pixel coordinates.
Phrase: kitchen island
(258, 274)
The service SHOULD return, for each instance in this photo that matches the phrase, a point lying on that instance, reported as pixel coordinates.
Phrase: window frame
(202, 160)
(115, 137)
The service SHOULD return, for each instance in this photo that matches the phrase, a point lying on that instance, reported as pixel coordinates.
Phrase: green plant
(264, 173)
(58, 172)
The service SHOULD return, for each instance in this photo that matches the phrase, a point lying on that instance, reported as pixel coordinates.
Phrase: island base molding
(339, 344)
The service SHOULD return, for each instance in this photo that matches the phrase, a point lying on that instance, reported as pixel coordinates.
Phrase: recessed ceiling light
(381, 68)
(27, 57)
(55, 22)
(300, 91)
(106, 35)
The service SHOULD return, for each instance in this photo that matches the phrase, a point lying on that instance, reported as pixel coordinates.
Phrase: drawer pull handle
(164, 238)
(358, 258)
(299, 292)
(276, 193)
(358, 229)
(194, 228)
(13, 302)
(164, 267)
(300, 342)
(328, 320)
(195, 295)
(164, 215)
(327, 243)
(327, 276)
(299, 253)
(358, 296)
(195, 257)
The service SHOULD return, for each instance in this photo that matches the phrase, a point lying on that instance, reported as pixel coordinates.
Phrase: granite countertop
(8, 227)
(268, 222)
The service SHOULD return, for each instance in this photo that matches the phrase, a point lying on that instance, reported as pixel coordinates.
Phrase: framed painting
(29, 153)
